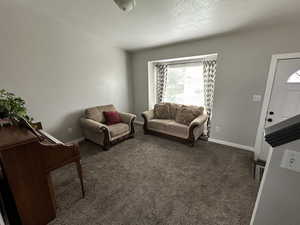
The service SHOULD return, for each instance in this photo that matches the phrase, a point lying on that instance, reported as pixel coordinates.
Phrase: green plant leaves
(12, 106)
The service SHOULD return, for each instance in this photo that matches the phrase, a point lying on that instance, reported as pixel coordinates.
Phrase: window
(294, 78)
(185, 84)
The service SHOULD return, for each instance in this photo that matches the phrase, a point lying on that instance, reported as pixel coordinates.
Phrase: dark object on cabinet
(28, 156)
(283, 132)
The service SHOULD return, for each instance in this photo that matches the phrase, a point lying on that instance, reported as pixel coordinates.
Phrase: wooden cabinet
(21, 159)
(27, 163)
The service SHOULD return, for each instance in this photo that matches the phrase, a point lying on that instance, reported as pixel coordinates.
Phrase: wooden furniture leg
(51, 188)
(79, 171)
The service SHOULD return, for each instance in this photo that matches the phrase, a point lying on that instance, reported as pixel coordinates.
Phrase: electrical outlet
(70, 130)
(291, 160)
(256, 98)
(218, 128)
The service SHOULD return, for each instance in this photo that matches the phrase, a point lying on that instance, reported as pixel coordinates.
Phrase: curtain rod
(180, 63)
(183, 62)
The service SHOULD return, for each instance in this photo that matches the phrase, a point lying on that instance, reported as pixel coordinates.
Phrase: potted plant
(12, 108)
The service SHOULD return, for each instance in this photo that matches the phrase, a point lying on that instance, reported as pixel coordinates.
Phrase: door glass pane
(294, 78)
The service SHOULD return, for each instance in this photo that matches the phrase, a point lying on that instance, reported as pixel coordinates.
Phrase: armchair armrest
(127, 117)
(148, 115)
(93, 125)
(197, 127)
(199, 121)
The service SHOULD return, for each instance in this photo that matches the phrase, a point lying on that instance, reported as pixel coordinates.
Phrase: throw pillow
(161, 111)
(173, 110)
(112, 117)
(186, 114)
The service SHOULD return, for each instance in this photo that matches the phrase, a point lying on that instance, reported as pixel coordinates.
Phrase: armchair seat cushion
(170, 127)
(118, 129)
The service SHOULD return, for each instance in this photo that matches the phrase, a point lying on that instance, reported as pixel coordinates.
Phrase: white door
(285, 96)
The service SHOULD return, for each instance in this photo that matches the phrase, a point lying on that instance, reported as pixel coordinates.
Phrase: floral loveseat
(185, 123)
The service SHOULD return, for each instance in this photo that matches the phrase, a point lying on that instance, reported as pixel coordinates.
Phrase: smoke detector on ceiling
(125, 5)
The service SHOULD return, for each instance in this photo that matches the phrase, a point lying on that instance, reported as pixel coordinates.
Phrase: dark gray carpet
(150, 180)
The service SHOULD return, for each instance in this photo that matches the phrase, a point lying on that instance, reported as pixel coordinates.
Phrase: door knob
(271, 113)
(269, 120)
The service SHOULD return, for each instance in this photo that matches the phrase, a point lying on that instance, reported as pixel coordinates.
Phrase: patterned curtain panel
(209, 74)
(161, 81)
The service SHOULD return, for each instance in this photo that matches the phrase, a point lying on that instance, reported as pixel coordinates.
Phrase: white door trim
(267, 96)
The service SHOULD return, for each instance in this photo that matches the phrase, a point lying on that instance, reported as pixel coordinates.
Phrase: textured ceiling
(159, 22)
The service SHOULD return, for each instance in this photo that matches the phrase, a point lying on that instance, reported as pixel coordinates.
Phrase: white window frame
(152, 72)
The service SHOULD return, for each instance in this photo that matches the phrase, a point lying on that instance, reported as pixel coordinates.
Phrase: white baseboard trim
(139, 122)
(75, 141)
(232, 144)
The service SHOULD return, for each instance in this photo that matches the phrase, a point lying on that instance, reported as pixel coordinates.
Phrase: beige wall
(59, 70)
(243, 63)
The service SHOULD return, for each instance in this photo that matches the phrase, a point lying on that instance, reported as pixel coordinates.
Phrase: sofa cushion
(178, 129)
(93, 114)
(118, 129)
(173, 110)
(160, 125)
(96, 113)
(112, 117)
(170, 127)
(186, 114)
(161, 111)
